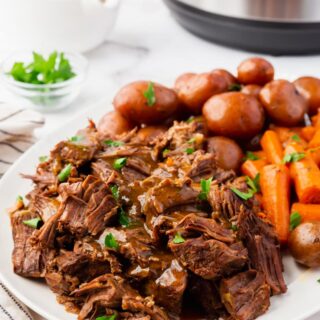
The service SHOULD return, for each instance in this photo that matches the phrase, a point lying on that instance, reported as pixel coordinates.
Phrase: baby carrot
(314, 154)
(271, 145)
(308, 212)
(315, 141)
(305, 174)
(307, 133)
(251, 168)
(275, 188)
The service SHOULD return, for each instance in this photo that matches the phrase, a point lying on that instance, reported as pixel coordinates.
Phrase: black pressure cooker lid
(259, 35)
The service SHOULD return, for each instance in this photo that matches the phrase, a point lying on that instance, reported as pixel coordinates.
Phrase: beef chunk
(104, 171)
(245, 295)
(28, 259)
(168, 194)
(263, 248)
(193, 224)
(45, 207)
(210, 259)
(169, 287)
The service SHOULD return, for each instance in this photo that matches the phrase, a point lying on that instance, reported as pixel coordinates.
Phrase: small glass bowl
(44, 97)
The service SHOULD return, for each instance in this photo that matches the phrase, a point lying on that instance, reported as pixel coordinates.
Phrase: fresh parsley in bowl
(45, 82)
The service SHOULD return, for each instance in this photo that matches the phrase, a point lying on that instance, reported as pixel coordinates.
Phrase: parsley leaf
(242, 195)
(293, 157)
(43, 71)
(65, 173)
(115, 191)
(254, 184)
(234, 227)
(112, 143)
(189, 150)
(234, 87)
(43, 158)
(318, 280)
(76, 138)
(112, 317)
(205, 188)
(19, 198)
(33, 223)
(251, 156)
(190, 119)
(296, 138)
(165, 152)
(111, 242)
(192, 140)
(124, 219)
(150, 95)
(119, 163)
(295, 220)
(178, 238)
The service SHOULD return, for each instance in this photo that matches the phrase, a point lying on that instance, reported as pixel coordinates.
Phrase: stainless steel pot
(272, 26)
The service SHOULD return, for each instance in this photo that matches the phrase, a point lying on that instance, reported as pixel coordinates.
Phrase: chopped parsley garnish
(293, 157)
(251, 156)
(296, 138)
(234, 227)
(150, 95)
(76, 138)
(33, 223)
(19, 198)
(165, 152)
(112, 143)
(55, 69)
(119, 163)
(111, 242)
(112, 317)
(65, 173)
(295, 220)
(189, 150)
(124, 219)
(205, 188)
(178, 238)
(254, 187)
(190, 119)
(43, 158)
(115, 191)
(318, 280)
(234, 87)
(192, 140)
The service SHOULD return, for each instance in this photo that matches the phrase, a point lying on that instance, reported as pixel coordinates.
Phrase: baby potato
(230, 78)
(144, 102)
(252, 89)
(309, 87)
(255, 71)
(283, 103)
(234, 114)
(195, 89)
(228, 153)
(113, 123)
(304, 244)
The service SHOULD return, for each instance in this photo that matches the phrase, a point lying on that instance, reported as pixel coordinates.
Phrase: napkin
(16, 136)
(16, 132)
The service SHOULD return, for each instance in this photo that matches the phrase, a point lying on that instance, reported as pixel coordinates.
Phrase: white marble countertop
(148, 44)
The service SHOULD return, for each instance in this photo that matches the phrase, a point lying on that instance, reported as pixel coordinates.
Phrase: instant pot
(269, 26)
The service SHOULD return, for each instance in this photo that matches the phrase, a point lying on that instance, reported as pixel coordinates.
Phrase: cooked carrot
(271, 145)
(260, 154)
(316, 120)
(314, 154)
(251, 168)
(305, 174)
(308, 212)
(275, 188)
(287, 135)
(315, 141)
(307, 133)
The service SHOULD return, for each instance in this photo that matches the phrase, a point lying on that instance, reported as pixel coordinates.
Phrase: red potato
(234, 114)
(228, 153)
(132, 103)
(255, 71)
(229, 77)
(282, 102)
(309, 87)
(252, 89)
(113, 123)
(195, 89)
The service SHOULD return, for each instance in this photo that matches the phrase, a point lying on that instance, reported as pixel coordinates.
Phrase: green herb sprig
(254, 187)
(205, 188)
(178, 239)
(111, 242)
(65, 173)
(112, 317)
(250, 156)
(295, 220)
(149, 94)
(113, 143)
(293, 157)
(33, 223)
(119, 163)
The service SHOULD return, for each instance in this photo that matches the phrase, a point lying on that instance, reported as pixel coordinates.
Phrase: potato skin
(252, 89)
(229, 77)
(255, 71)
(309, 87)
(228, 153)
(304, 244)
(132, 104)
(195, 89)
(113, 124)
(234, 114)
(282, 102)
